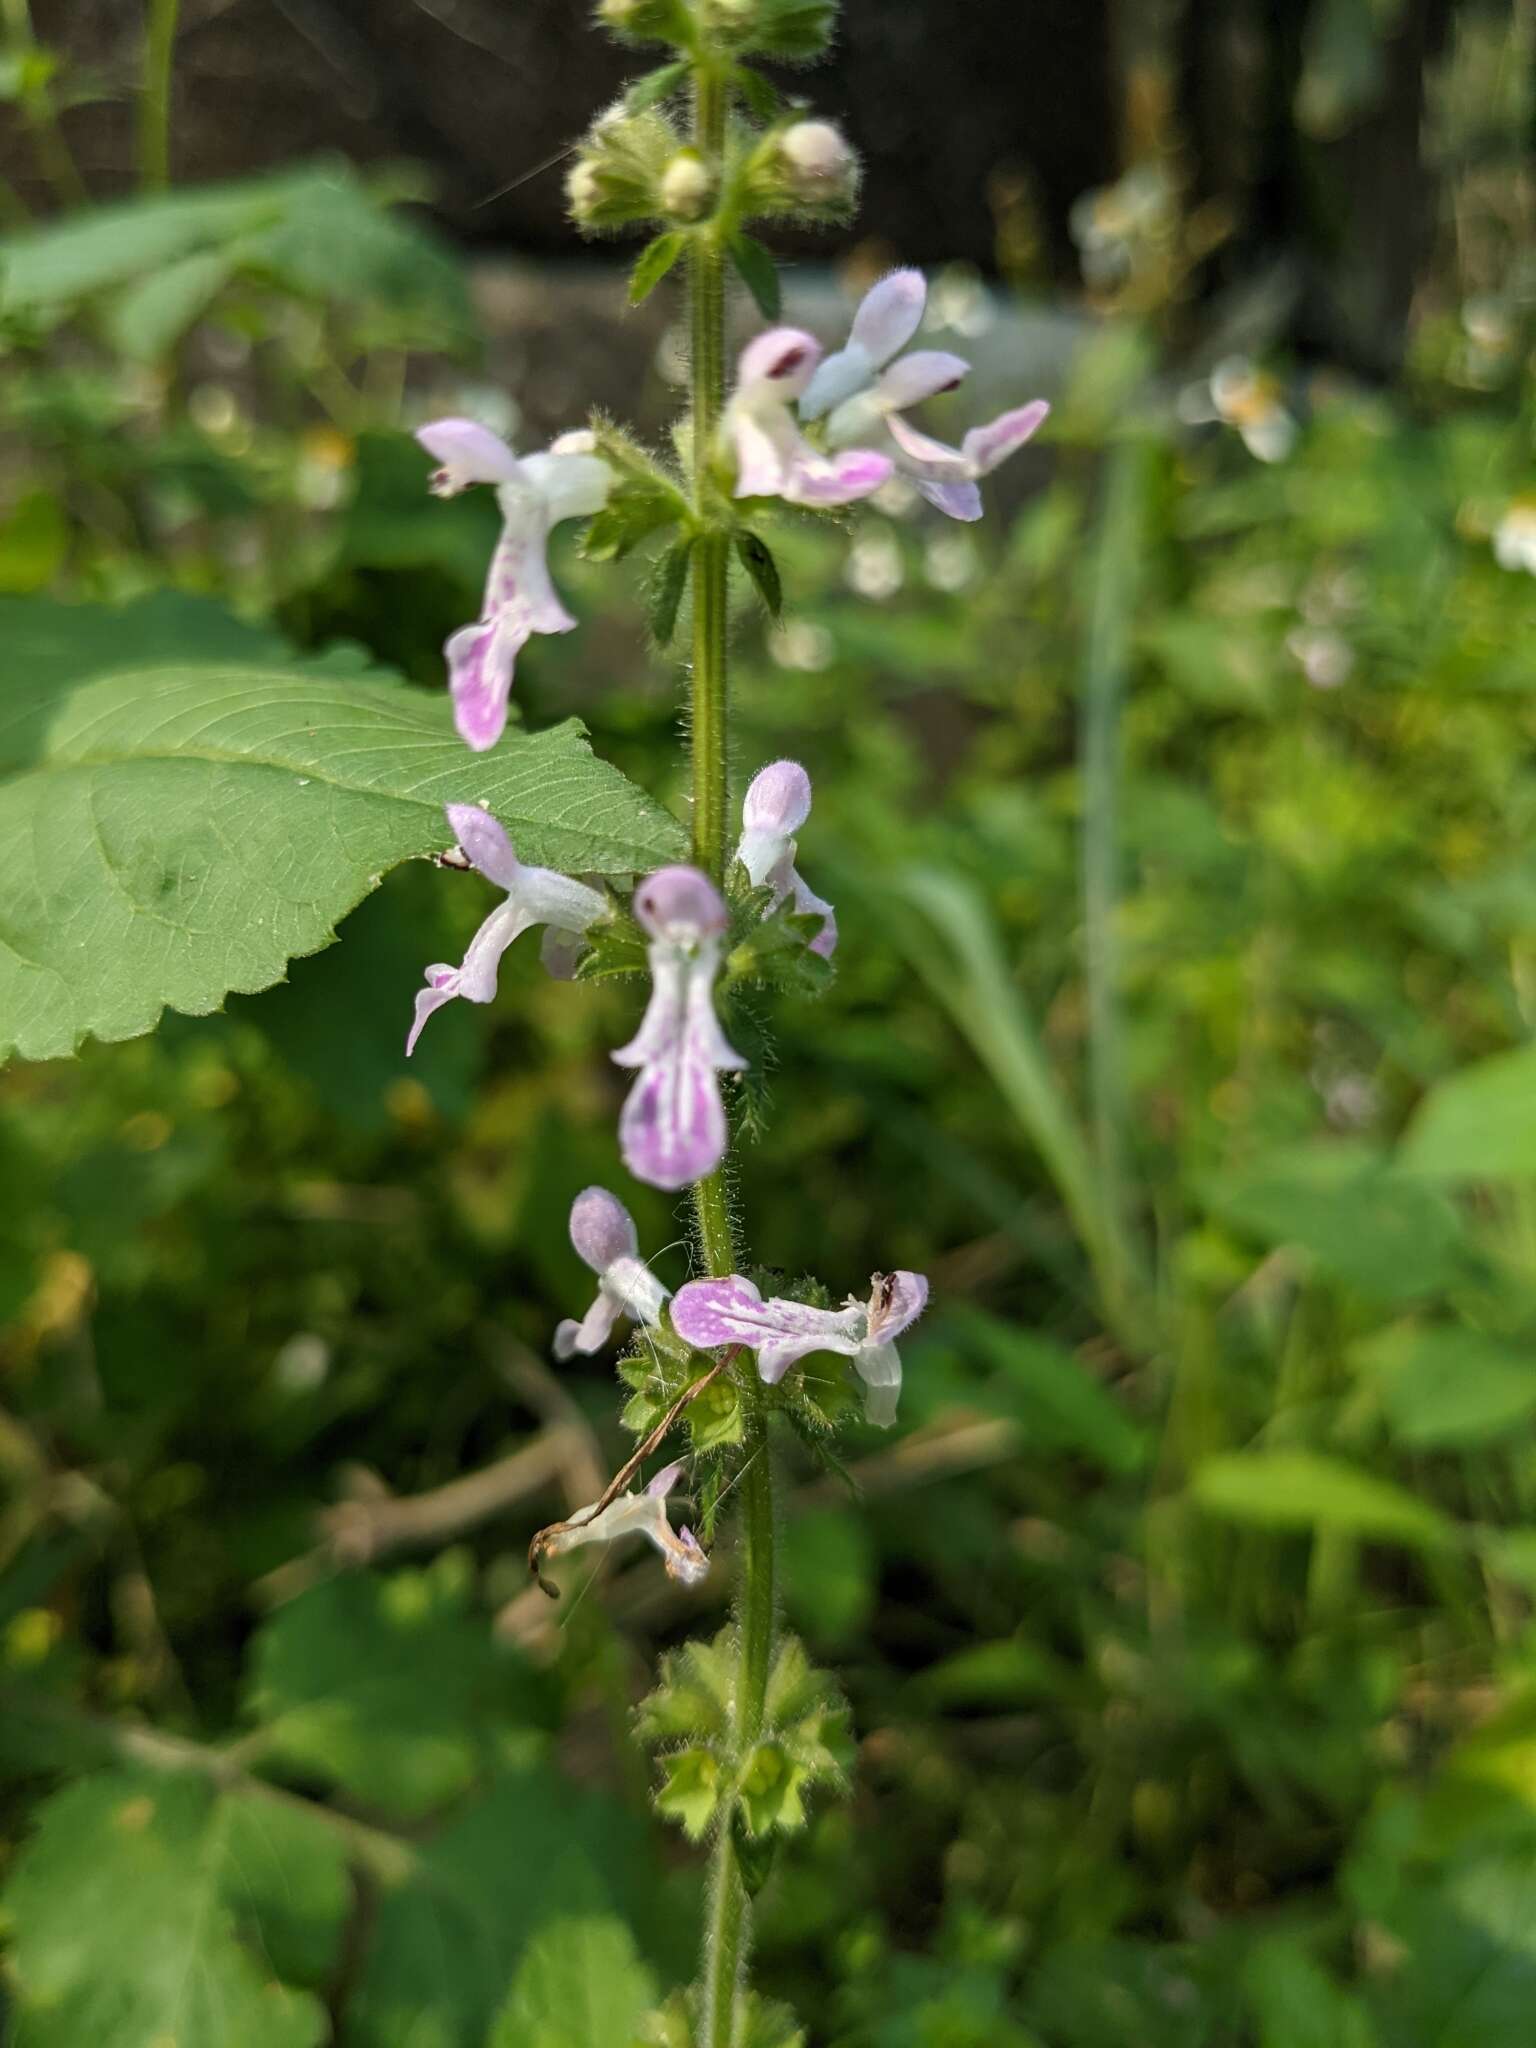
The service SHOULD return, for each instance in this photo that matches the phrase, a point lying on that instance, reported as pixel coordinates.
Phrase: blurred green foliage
(1180, 827)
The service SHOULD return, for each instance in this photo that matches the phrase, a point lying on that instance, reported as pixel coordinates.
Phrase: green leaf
(581, 1984)
(667, 588)
(654, 86)
(652, 265)
(448, 1939)
(1449, 1386)
(1304, 1490)
(172, 835)
(758, 272)
(695, 1694)
(121, 1912)
(34, 542)
(392, 1688)
(830, 1569)
(999, 1674)
(1353, 1215)
(690, 1792)
(1059, 1401)
(757, 559)
(1479, 1124)
(155, 312)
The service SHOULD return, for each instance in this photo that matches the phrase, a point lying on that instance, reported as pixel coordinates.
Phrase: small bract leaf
(652, 265)
(667, 590)
(759, 273)
(757, 559)
(652, 87)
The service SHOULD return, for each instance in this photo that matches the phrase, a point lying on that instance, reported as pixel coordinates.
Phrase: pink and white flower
(776, 805)
(534, 896)
(603, 1232)
(711, 1313)
(638, 1514)
(569, 481)
(865, 389)
(673, 1130)
(773, 457)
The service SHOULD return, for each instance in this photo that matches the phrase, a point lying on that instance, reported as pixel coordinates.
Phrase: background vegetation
(1180, 822)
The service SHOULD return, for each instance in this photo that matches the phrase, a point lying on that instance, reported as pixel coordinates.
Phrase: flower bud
(687, 187)
(804, 169)
(616, 177)
(818, 163)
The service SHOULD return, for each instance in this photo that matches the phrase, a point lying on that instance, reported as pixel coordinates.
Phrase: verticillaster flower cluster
(814, 430)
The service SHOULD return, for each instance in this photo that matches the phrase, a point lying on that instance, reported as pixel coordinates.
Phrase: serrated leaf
(758, 272)
(756, 558)
(449, 1939)
(652, 265)
(667, 589)
(654, 86)
(581, 1984)
(390, 1687)
(690, 1791)
(122, 1930)
(173, 835)
(1303, 1490)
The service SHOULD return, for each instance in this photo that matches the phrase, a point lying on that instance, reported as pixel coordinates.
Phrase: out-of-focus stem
(155, 107)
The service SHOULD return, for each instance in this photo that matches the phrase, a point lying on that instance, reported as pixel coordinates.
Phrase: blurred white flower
(798, 644)
(1114, 226)
(1514, 538)
(1248, 400)
(1325, 658)
(874, 567)
(949, 561)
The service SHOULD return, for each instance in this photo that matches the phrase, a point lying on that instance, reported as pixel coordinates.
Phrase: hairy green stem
(155, 106)
(727, 1930)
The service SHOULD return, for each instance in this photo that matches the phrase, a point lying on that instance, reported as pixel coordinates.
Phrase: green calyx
(759, 1788)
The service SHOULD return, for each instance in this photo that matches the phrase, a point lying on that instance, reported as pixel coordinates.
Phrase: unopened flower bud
(582, 191)
(686, 186)
(817, 160)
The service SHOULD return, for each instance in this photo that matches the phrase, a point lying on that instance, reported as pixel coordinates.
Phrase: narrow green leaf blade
(652, 265)
(759, 273)
(667, 588)
(756, 558)
(1305, 1490)
(652, 87)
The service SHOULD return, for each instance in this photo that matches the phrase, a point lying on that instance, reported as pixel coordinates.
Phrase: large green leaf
(1304, 1490)
(1479, 1124)
(122, 1912)
(170, 835)
(389, 1686)
(581, 1984)
(448, 1940)
(319, 233)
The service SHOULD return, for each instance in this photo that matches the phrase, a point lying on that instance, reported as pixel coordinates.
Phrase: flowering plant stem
(726, 1928)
